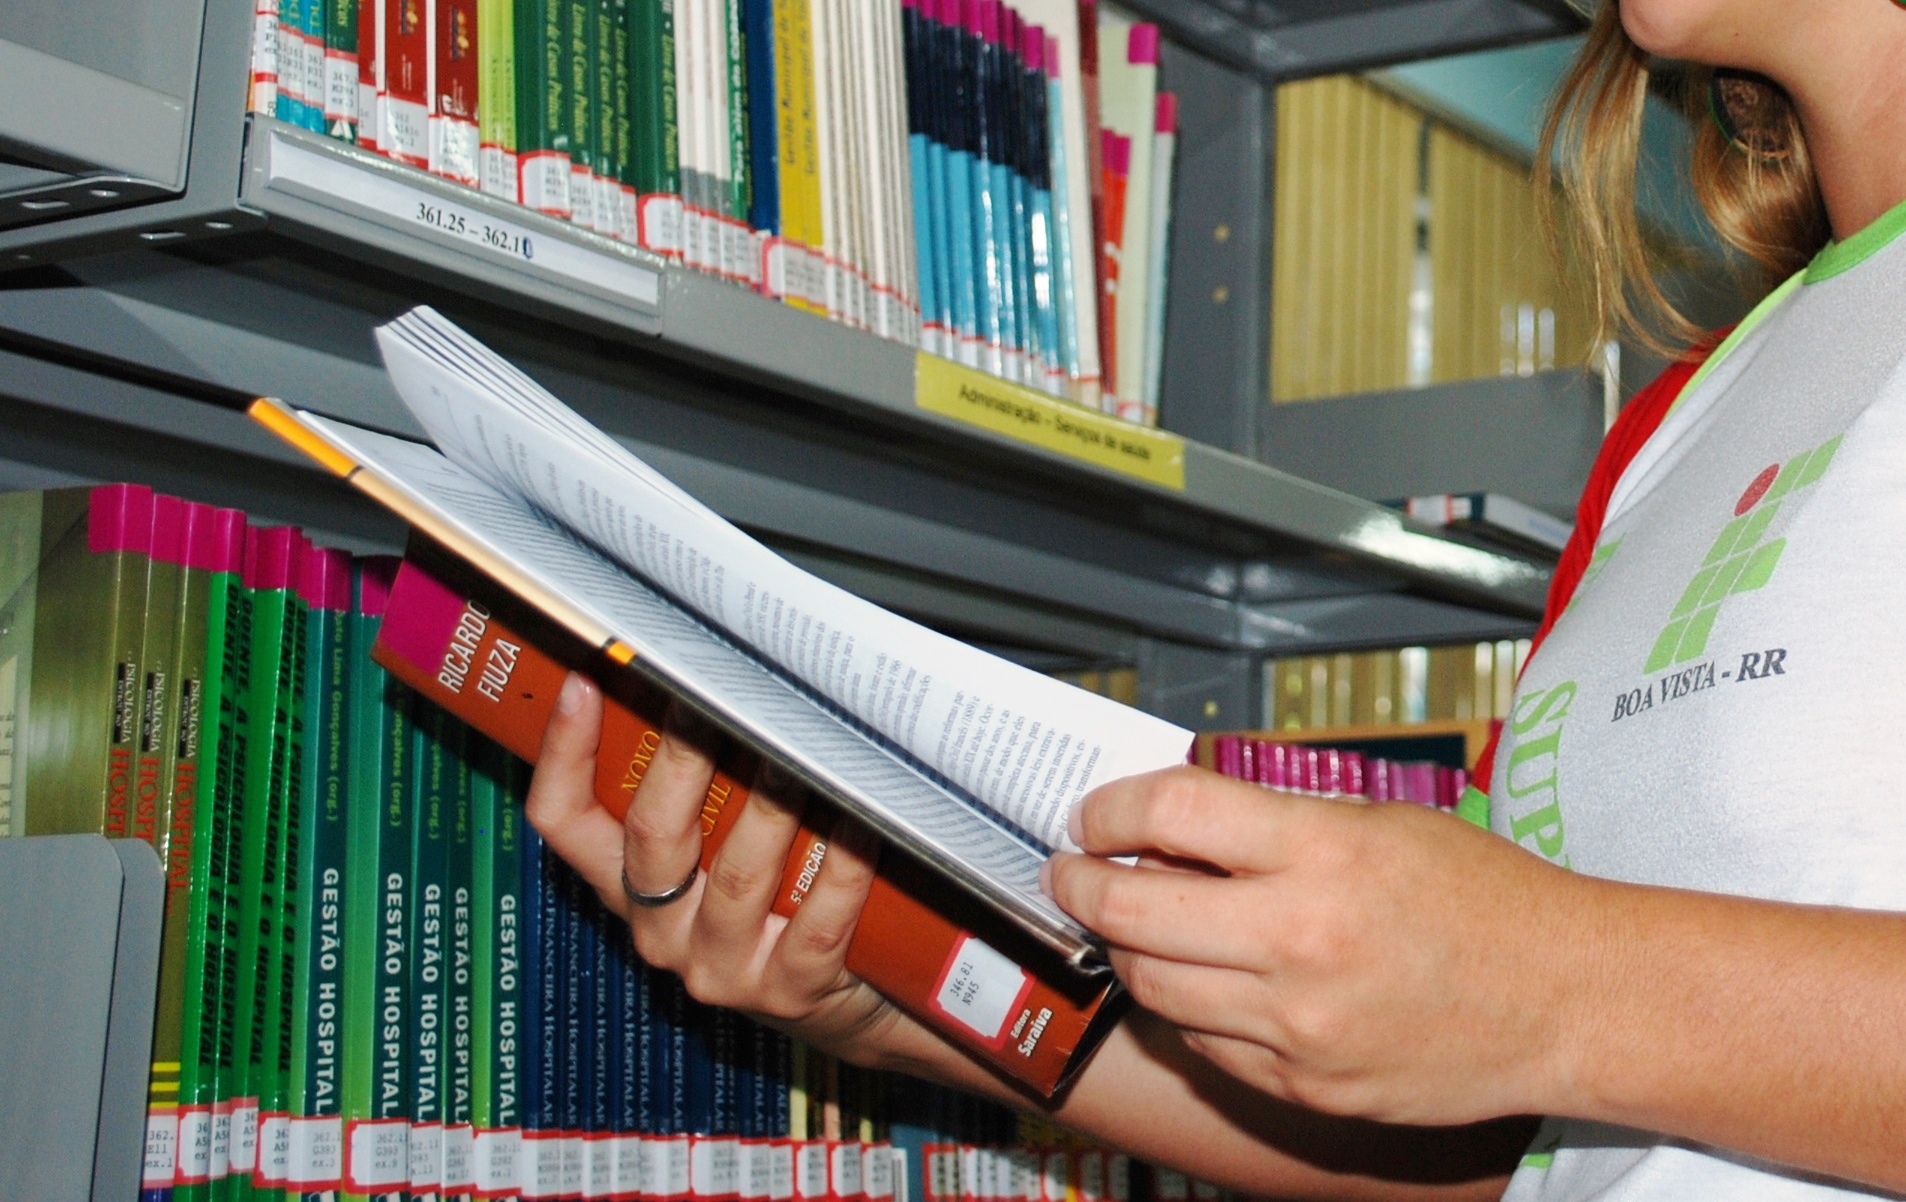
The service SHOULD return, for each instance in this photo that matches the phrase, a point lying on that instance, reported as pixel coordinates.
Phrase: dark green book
(608, 104)
(317, 991)
(622, 148)
(459, 976)
(341, 117)
(497, 782)
(72, 618)
(436, 743)
(215, 643)
(654, 155)
(579, 47)
(376, 1066)
(542, 105)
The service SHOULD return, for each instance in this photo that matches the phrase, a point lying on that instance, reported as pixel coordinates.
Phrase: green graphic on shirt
(1602, 555)
(1739, 561)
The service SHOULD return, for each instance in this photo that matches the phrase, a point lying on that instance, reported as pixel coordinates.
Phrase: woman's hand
(1383, 961)
(721, 935)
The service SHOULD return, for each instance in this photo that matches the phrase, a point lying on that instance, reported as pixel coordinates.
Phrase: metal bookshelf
(129, 335)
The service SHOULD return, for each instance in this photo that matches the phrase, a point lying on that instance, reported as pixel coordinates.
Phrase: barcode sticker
(494, 1160)
(195, 1146)
(781, 1170)
(162, 1149)
(377, 1156)
(316, 1155)
(981, 989)
(244, 1155)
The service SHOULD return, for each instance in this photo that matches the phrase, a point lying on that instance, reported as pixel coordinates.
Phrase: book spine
(291, 102)
(656, 133)
(1041, 239)
(496, 98)
(1164, 153)
(316, 1125)
(435, 744)
(987, 261)
(764, 126)
(602, 96)
(633, 1100)
(542, 112)
(261, 93)
(151, 818)
(202, 783)
(459, 1107)
(341, 70)
(543, 1128)
(455, 137)
(269, 559)
(578, 982)
(624, 72)
(273, 1050)
(919, 139)
(743, 260)
(1009, 182)
(371, 19)
(579, 42)
(961, 234)
(598, 1052)
(1064, 266)
(317, 79)
(406, 97)
(459, 642)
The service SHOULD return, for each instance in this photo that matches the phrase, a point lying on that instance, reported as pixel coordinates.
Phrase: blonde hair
(1757, 186)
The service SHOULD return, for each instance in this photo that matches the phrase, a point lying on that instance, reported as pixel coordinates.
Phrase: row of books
(375, 979)
(988, 181)
(1335, 772)
(1393, 687)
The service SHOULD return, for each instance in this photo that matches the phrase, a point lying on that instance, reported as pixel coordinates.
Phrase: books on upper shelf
(927, 170)
(375, 980)
(1493, 517)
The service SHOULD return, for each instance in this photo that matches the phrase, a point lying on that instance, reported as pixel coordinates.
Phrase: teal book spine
(435, 745)
(459, 1178)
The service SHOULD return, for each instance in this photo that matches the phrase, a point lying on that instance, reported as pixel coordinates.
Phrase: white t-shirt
(1720, 707)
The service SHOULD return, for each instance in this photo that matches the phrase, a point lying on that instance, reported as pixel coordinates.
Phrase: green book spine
(496, 98)
(623, 150)
(497, 902)
(579, 42)
(316, 1136)
(167, 584)
(606, 104)
(216, 640)
(542, 106)
(341, 70)
(377, 865)
(279, 924)
(80, 711)
(435, 744)
(269, 556)
(460, 997)
(653, 129)
(740, 195)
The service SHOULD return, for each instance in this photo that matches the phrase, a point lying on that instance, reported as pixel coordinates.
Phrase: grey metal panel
(1533, 438)
(1217, 305)
(119, 1159)
(80, 115)
(216, 115)
(1292, 40)
(285, 177)
(79, 941)
(1199, 688)
(1373, 620)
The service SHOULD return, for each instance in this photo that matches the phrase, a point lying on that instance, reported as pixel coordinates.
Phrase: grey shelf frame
(132, 355)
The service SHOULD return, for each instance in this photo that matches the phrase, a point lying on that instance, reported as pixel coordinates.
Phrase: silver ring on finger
(649, 901)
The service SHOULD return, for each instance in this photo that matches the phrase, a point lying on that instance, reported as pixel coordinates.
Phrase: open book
(968, 762)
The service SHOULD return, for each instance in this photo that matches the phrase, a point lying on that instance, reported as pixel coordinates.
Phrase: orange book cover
(471, 646)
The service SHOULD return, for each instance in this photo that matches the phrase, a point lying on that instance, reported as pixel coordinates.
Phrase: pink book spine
(168, 530)
(119, 518)
(324, 579)
(376, 575)
(1141, 45)
(270, 557)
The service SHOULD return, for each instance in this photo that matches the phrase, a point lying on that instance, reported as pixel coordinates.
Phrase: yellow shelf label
(976, 399)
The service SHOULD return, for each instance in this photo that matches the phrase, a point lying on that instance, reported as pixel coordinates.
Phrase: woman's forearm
(1145, 1092)
(1770, 1029)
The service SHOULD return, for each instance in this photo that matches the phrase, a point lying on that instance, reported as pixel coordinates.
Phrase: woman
(1710, 738)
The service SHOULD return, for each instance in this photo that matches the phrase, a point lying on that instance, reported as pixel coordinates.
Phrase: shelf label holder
(975, 399)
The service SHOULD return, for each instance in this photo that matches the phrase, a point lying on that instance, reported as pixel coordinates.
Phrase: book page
(504, 537)
(1026, 746)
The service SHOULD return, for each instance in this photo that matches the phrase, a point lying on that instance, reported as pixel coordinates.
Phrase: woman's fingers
(1160, 911)
(1191, 814)
(662, 835)
(812, 951)
(562, 800)
(747, 870)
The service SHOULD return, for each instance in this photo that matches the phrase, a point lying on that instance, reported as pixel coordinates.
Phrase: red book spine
(454, 139)
(405, 135)
(471, 647)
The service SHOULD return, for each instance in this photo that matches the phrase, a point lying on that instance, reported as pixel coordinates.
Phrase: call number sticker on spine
(981, 990)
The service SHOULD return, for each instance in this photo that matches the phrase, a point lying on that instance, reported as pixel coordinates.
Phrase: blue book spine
(1065, 279)
(1011, 73)
(314, 65)
(600, 1045)
(1000, 197)
(577, 986)
(955, 185)
(531, 1033)
(675, 1068)
(987, 263)
(632, 1100)
(919, 139)
(1039, 215)
(546, 1160)
(764, 153)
